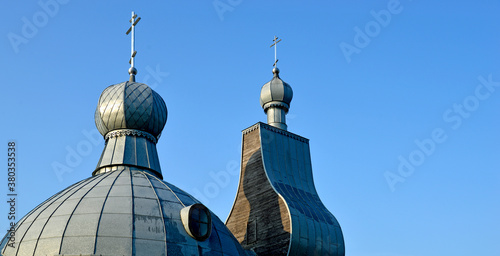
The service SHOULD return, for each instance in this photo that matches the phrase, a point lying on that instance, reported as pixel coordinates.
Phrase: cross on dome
(276, 41)
(133, 71)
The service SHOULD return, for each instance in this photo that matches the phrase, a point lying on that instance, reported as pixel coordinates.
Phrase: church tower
(277, 210)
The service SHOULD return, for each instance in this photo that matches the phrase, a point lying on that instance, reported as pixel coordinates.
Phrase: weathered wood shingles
(259, 218)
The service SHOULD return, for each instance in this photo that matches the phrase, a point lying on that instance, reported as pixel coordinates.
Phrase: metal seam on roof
(160, 206)
(24, 218)
(81, 198)
(218, 236)
(133, 211)
(154, 114)
(102, 208)
(113, 100)
(122, 94)
(165, 184)
(47, 221)
(47, 200)
(27, 229)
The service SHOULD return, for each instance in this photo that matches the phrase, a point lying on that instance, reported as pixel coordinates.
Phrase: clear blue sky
(400, 101)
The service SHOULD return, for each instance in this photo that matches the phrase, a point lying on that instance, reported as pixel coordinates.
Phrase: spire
(275, 96)
(131, 117)
(132, 70)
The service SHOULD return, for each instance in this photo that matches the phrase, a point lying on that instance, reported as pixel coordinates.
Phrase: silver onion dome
(131, 117)
(275, 98)
(130, 105)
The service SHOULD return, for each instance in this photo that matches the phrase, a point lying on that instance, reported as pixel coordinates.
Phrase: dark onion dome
(124, 212)
(130, 105)
(276, 93)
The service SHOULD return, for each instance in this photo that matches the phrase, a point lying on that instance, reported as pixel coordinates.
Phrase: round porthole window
(197, 221)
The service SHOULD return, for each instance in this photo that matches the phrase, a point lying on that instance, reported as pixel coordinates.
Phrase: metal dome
(130, 105)
(276, 93)
(124, 212)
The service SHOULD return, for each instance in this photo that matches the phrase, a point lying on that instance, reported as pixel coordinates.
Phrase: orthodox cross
(133, 71)
(276, 41)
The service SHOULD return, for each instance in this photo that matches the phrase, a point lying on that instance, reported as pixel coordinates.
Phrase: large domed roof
(124, 212)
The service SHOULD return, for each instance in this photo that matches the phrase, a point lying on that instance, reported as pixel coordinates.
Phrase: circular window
(197, 221)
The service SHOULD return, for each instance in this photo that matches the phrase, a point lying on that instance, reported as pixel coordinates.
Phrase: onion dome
(125, 212)
(131, 117)
(275, 98)
(276, 93)
(130, 105)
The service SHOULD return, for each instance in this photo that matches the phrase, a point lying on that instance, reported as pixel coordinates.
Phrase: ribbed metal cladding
(130, 149)
(287, 162)
(125, 212)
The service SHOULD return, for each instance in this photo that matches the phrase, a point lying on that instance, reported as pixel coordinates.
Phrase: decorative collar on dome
(131, 117)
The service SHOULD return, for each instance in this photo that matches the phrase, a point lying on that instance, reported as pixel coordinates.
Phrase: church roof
(124, 212)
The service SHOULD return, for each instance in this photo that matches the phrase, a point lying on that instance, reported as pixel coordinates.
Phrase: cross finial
(276, 41)
(133, 71)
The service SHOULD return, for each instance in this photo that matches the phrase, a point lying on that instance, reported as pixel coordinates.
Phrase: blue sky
(400, 101)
